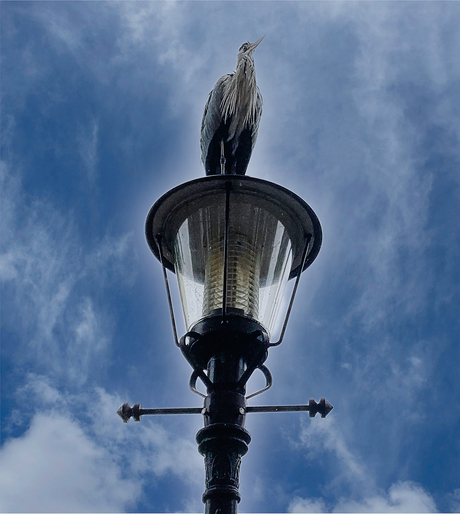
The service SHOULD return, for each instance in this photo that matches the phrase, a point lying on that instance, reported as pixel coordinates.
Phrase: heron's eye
(244, 47)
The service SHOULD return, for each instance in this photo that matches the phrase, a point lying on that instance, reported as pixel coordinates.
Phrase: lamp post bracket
(136, 411)
(323, 408)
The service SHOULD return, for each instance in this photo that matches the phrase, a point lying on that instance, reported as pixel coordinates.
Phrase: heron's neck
(241, 94)
(245, 68)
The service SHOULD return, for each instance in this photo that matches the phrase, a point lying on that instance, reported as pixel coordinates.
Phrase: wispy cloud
(46, 274)
(323, 436)
(88, 141)
(363, 495)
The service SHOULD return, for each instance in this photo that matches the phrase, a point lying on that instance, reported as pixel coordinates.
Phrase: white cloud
(56, 467)
(76, 454)
(455, 500)
(38, 389)
(307, 505)
(160, 27)
(401, 497)
(148, 445)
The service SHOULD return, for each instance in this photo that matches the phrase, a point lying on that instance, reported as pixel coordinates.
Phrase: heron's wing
(212, 116)
(258, 114)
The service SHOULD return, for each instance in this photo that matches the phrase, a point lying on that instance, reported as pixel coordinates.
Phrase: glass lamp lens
(259, 259)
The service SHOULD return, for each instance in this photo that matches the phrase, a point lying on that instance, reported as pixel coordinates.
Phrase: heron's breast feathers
(241, 101)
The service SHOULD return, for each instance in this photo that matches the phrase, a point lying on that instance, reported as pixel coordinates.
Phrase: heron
(231, 117)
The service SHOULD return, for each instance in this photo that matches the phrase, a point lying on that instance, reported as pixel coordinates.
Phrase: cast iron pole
(223, 440)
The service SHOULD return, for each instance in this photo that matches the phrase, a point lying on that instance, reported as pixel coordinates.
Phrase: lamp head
(233, 242)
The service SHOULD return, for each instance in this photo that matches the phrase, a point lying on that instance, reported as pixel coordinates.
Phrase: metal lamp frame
(230, 348)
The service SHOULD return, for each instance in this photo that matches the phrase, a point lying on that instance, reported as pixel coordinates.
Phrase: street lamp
(233, 242)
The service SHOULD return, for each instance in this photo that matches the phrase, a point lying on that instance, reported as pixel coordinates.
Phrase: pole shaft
(223, 440)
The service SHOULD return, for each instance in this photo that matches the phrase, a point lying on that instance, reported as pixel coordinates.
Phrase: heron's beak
(255, 45)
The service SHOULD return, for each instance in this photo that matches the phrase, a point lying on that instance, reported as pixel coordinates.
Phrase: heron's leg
(222, 158)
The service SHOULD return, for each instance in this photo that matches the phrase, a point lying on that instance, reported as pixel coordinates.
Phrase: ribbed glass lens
(259, 259)
(242, 278)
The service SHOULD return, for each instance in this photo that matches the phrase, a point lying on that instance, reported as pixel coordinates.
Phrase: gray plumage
(231, 118)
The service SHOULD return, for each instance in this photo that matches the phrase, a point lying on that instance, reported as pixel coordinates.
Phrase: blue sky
(101, 110)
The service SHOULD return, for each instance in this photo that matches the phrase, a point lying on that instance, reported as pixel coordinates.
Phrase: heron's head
(247, 49)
